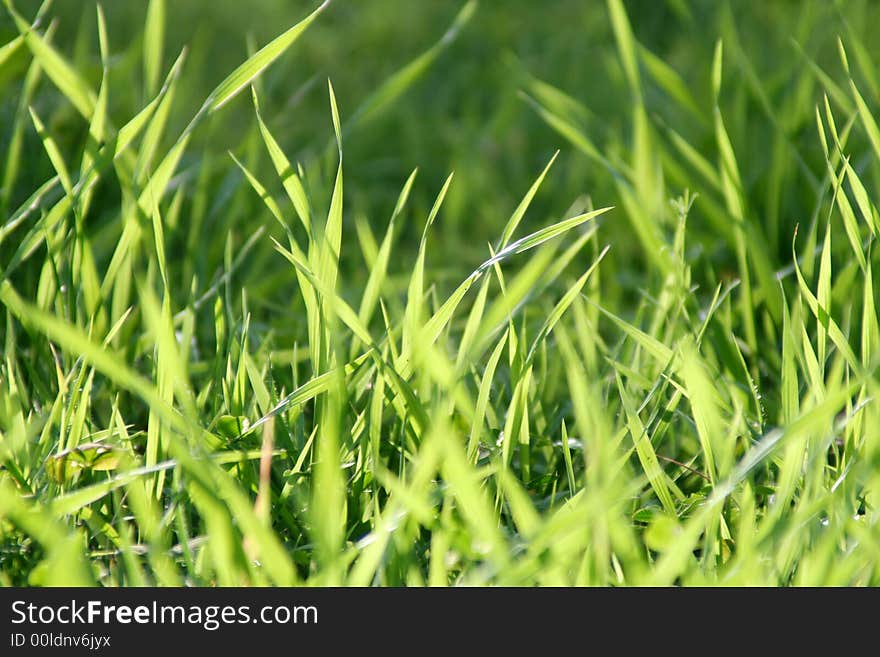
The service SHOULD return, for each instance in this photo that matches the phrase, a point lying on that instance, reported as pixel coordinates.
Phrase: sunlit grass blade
(154, 42)
(57, 68)
(258, 62)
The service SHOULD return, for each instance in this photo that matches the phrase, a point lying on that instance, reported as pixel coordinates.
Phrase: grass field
(449, 293)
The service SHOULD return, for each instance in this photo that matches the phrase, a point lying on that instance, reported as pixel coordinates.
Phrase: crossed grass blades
(522, 425)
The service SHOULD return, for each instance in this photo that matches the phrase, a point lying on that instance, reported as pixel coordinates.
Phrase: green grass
(569, 295)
